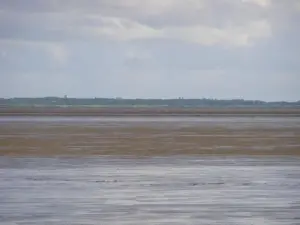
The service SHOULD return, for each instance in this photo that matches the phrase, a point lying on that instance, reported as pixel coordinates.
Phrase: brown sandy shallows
(34, 139)
(145, 111)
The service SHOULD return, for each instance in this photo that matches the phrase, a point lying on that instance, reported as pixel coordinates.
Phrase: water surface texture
(132, 171)
(172, 190)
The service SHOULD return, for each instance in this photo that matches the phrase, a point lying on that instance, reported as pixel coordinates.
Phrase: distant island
(120, 102)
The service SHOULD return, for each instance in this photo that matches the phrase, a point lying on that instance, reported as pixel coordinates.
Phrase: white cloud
(195, 21)
(40, 84)
(147, 7)
(126, 30)
(3, 54)
(298, 6)
(137, 54)
(58, 52)
(262, 3)
(233, 36)
(72, 42)
(123, 29)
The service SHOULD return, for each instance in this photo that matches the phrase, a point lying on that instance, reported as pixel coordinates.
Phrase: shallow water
(149, 135)
(158, 190)
(45, 187)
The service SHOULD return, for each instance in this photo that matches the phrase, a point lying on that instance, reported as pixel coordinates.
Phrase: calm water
(174, 190)
(158, 190)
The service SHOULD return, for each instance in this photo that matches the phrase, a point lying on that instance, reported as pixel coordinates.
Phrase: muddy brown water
(144, 136)
(149, 171)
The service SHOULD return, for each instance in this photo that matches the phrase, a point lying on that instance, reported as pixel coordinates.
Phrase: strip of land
(145, 111)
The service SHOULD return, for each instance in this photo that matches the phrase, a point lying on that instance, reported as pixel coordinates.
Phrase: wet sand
(149, 136)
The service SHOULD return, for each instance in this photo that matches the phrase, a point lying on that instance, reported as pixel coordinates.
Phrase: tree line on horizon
(178, 102)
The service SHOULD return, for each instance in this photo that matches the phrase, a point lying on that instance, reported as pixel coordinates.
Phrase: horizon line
(170, 98)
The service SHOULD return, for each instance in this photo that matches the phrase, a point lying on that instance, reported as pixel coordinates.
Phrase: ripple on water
(174, 190)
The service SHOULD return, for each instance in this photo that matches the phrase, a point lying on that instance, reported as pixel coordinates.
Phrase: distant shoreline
(147, 112)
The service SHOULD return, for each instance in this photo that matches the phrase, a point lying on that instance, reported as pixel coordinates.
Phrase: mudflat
(149, 136)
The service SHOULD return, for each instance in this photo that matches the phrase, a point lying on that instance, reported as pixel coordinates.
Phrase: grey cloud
(135, 48)
(69, 19)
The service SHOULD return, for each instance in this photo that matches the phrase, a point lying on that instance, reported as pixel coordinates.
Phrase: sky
(221, 49)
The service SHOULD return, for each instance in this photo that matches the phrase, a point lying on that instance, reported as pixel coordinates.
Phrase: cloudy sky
(150, 48)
